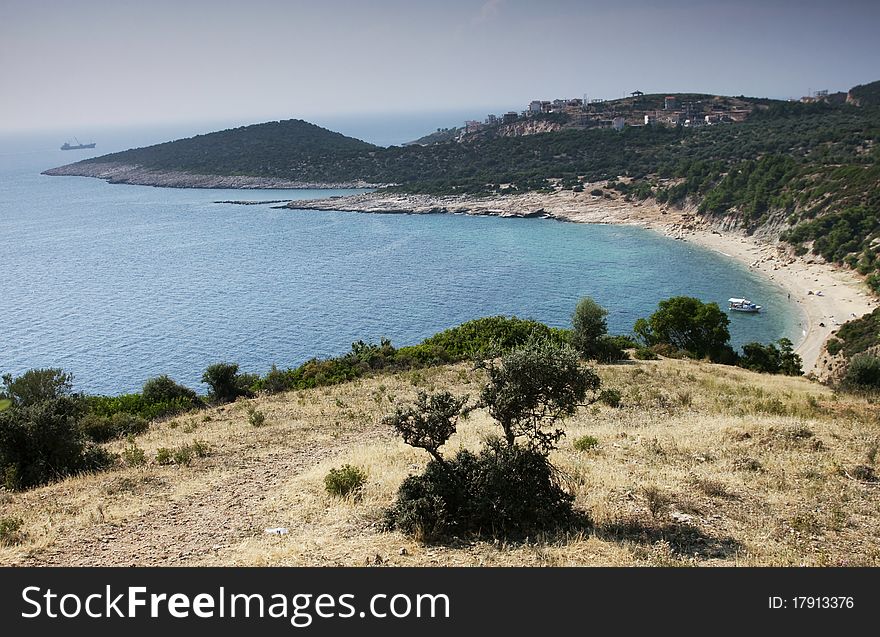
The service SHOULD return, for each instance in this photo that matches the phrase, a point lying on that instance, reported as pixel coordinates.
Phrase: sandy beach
(826, 295)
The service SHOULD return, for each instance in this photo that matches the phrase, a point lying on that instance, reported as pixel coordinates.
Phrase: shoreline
(826, 295)
(133, 175)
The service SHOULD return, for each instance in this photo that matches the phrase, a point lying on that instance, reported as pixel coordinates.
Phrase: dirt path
(189, 531)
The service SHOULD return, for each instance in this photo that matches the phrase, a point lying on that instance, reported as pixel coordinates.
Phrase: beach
(825, 295)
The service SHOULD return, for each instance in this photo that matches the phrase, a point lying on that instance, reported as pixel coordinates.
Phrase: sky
(81, 64)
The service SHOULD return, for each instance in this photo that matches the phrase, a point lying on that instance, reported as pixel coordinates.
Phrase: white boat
(742, 305)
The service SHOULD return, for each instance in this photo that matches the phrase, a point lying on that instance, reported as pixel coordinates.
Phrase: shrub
(226, 383)
(200, 448)
(36, 386)
(863, 372)
(256, 417)
(588, 327)
(769, 359)
(132, 455)
(834, 346)
(645, 354)
(182, 455)
(275, 381)
(609, 349)
(586, 443)
(610, 397)
(162, 389)
(508, 489)
(505, 491)
(40, 435)
(103, 429)
(657, 501)
(490, 336)
(10, 531)
(345, 481)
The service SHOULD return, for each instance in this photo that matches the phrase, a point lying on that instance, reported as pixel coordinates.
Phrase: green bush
(507, 491)
(255, 417)
(610, 349)
(36, 386)
(226, 383)
(132, 455)
(769, 359)
(40, 435)
(429, 422)
(585, 443)
(490, 336)
(345, 481)
(610, 397)
(275, 381)
(120, 425)
(863, 373)
(162, 389)
(833, 346)
(10, 531)
(510, 488)
(645, 354)
(183, 454)
(533, 387)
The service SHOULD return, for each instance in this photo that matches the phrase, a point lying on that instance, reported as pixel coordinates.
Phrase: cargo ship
(77, 146)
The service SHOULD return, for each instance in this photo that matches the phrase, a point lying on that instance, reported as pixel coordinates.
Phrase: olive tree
(533, 387)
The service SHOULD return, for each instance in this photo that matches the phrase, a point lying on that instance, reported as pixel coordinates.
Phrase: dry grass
(700, 465)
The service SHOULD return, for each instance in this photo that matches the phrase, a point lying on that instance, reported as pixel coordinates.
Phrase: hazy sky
(69, 64)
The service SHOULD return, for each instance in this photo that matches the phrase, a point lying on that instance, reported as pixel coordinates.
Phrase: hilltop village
(689, 110)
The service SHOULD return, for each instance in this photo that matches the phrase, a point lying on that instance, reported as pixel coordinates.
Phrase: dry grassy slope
(740, 469)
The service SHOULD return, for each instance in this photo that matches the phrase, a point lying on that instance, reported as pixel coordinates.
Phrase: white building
(618, 123)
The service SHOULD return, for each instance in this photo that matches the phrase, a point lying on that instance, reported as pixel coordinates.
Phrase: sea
(117, 283)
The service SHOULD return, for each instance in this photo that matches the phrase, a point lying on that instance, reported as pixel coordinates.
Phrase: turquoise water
(120, 283)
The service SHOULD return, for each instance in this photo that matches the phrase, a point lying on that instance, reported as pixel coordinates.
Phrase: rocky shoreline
(825, 295)
(116, 173)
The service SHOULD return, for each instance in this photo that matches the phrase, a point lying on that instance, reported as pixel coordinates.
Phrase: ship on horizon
(77, 146)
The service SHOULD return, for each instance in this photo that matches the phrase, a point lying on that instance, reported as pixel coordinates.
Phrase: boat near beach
(742, 305)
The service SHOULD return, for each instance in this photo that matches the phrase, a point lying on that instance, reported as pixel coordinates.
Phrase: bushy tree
(226, 383)
(701, 329)
(535, 386)
(588, 327)
(37, 385)
(771, 360)
(510, 487)
(863, 372)
(162, 389)
(429, 422)
(40, 435)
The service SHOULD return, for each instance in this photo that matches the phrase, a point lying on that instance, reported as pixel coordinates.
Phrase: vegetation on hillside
(812, 166)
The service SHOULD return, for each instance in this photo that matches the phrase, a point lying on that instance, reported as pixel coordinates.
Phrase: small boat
(77, 146)
(742, 305)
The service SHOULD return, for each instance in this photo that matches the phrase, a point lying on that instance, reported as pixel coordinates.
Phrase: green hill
(288, 149)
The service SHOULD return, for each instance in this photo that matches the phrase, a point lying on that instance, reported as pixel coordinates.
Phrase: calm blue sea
(119, 283)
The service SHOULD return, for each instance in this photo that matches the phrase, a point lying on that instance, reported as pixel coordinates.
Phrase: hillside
(699, 465)
(807, 172)
(289, 150)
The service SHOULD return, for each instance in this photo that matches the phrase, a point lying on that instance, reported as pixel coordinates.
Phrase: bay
(120, 283)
